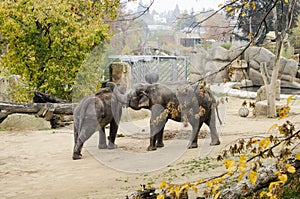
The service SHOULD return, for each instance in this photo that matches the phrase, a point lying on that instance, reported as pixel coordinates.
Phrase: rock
(25, 122)
(288, 67)
(198, 61)
(260, 55)
(234, 52)
(254, 64)
(256, 77)
(261, 107)
(262, 92)
(287, 84)
(219, 53)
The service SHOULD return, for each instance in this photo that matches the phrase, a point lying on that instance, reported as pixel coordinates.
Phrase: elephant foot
(112, 146)
(160, 145)
(193, 145)
(215, 143)
(76, 156)
(151, 148)
(102, 146)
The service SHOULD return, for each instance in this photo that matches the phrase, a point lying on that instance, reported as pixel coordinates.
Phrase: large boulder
(256, 77)
(219, 53)
(25, 122)
(198, 61)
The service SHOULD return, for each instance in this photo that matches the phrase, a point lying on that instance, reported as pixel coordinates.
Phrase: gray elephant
(194, 104)
(95, 112)
(151, 78)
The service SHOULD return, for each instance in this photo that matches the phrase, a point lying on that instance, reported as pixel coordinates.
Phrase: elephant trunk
(119, 94)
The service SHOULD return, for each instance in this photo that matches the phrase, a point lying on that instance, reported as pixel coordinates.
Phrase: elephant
(151, 78)
(95, 112)
(192, 104)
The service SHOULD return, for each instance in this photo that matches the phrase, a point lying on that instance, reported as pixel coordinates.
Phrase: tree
(281, 21)
(48, 40)
(255, 12)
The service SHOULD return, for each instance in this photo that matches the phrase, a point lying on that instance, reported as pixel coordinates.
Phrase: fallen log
(7, 108)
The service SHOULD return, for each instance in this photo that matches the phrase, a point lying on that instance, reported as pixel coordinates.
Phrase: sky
(197, 5)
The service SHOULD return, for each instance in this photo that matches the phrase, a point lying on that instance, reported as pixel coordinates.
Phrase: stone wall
(245, 67)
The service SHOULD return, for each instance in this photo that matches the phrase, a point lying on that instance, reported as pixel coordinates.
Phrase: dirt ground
(38, 164)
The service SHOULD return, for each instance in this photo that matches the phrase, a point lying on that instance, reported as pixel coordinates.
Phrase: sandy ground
(38, 164)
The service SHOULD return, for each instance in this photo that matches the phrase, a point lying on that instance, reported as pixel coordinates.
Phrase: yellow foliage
(253, 177)
(283, 178)
(263, 144)
(199, 182)
(213, 190)
(290, 168)
(209, 184)
(228, 8)
(272, 184)
(163, 184)
(250, 34)
(217, 195)
(272, 127)
(160, 196)
(288, 100)
(241, 176)
(253, 5)
(297, 156)
(194, 188)
(220, 5)
(262, 194)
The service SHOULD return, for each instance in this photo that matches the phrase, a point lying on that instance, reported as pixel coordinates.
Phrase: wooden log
(7, 108)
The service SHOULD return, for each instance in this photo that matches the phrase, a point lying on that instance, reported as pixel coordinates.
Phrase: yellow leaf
(163, 184)
(243, 14)
(220, 5)
(195, 188)
(297, 156)
(209, 184)
(272, 184)
(272, 127)
(262, 194)
(283, 178)
(247, 5)
(253, 5)
(286, 1)
(148, 186)
(160, 196)
(288, 100)
(264, 143)
(228, 8)
(215, 189)
(228, 163)
(290, 168)
(250, 34)
(217, 195)
(241, 176)
(199, 182)
(253, 177)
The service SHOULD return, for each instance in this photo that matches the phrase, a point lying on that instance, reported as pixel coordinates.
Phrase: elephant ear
(144, 100)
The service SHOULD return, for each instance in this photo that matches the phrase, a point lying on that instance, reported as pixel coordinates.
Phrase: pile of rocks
(245, 67)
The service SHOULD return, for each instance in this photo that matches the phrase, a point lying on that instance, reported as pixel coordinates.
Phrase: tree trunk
(34, 108)
(271, 97)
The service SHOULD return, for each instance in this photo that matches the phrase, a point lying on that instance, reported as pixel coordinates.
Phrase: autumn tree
(46, 41)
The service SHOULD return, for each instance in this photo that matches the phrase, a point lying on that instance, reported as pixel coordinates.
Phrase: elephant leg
(157, 124)
(77, 150)
(194, 139)
(213, 129)
(85, 133)
(160, 135)
(112, 134)
(102, 139)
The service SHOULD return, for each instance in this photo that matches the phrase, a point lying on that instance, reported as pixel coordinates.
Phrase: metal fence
(169, 68)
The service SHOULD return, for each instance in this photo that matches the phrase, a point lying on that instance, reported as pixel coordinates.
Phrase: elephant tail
(217, 110)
